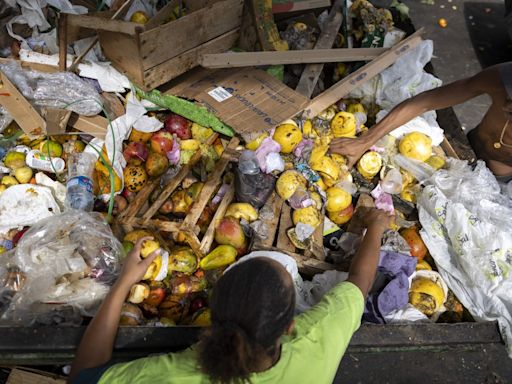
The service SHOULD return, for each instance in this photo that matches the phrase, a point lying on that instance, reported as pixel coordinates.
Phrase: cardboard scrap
(248, 100)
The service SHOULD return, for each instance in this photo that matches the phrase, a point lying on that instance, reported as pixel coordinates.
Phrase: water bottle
(79, 186)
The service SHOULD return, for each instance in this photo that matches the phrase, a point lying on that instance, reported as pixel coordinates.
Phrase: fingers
(138, 245)
(152, 256)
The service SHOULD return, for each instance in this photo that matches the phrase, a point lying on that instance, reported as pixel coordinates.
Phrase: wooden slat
(285, 223)
(174, 67)
(124, 53)
(142, 196)
(362, 75)
(104, 24)
(316, 249)
(312, 72)
(170, 40)
(266, 29)
(47, 68)
(95, 125)
(19, 108)
(448, 149)
(56, 120)
(161, 225)
(163, 15)
(209, 236)
(247, 59)
(63, 41)
(273, 204)
(208, 189)
(309, 266)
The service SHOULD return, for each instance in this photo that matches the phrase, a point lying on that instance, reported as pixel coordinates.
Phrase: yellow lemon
(337, 199)
(309, 215)
(416, 145)
(288, 136)
(343, 125)
(288, 183)
(369, 164)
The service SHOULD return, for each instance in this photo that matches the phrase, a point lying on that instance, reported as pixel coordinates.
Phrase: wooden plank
(20, 109)
(163, 15)
(173, 68)
(113, 106)
(175, 181)
(63, 41)
(32, 66)
(247, 59)
(209, 236)
(172, 39)
(208, 189)
(448, 149)
(362, 75)
(285, 223)
(309, 266)
(316, 248)
(103, 24)
(274, 205)
(142, 196)
(94, 125)
(161, 225)
(124, 53)
(311, 73)
(56, 120)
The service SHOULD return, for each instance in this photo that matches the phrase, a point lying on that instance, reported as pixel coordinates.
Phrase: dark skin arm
(438, 98)
(364, 264)
(97, 344)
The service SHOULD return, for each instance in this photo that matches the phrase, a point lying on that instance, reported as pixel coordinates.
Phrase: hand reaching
(134, 267)
(352, 149)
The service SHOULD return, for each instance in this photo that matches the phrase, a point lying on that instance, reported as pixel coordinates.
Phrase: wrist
(376, 230)
(122, 285)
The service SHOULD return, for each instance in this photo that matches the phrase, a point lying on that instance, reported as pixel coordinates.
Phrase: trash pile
(169, 168)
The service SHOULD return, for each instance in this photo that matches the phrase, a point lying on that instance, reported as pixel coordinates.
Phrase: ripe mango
(230, 232)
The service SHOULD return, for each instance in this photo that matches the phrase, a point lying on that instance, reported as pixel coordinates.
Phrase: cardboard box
(32, 376)
(248, 100)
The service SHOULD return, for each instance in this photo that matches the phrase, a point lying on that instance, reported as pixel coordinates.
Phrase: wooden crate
(154, 53)
(139, 214)
(310, 261)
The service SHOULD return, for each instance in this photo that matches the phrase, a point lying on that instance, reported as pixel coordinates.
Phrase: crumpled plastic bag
(63, 90)
(467, 227)
(67, 263)
(5, 118)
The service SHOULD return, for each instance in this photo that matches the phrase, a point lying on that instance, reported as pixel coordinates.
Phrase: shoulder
(490, 79)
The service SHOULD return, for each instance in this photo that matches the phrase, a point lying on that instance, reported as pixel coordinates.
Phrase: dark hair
(252, 305)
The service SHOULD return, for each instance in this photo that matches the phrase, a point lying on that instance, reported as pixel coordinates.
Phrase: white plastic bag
(467, 227)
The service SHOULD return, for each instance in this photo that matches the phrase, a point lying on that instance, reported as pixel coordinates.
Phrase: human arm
(437, 98)
(364, 264)
(97, 343)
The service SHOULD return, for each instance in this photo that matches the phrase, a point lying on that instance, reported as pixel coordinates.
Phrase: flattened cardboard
(248, 100)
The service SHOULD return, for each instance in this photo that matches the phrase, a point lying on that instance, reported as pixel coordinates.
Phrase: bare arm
(437, 98)
(97, 344)
(364, 265)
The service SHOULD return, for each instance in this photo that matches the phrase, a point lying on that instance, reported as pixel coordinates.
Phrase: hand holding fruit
(134, 266)
(376, 219)
(352, 149)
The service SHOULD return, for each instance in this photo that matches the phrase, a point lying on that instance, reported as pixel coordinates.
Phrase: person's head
(252, 306)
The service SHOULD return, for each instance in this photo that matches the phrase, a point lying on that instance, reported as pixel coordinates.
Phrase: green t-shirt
(311, 354)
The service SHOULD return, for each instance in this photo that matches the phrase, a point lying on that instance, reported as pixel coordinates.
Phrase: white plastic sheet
(467, 227)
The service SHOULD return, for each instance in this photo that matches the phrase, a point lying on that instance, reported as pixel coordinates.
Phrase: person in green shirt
(254, 336)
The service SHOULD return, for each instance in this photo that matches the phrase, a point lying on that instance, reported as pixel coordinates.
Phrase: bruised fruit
(183, 260)
(142, 137)
(288, 136)
(343, 124)
(135, 177)
(242, 211)
(9, 181)
(179, 126)
(193, 192)
(130, 315)
(369, 164)
(174, 307)
(136, 151)
(426, 295)
(156, 164)
(343, 216)
(337, 199)
(156, 295)
(161, 142)
(229, 231)
(148, 247)
(179, 202)
(23, 174)
(182, 285)
(309, 215)
(51, 146)
(413, 238)
(288, 183)
(416, 145)
(202, 318)
(14, 160)
(138, 293)
(134, 236)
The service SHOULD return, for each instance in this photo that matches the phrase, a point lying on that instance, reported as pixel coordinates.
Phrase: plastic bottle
(79, 186)
(38, 160)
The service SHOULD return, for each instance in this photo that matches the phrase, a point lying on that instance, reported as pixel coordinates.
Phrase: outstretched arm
(97, 343)
(437, 98)
(364, 265)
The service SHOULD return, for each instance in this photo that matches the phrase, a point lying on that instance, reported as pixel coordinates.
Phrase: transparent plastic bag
(420, 171)
(253, 189)
(5, 119)
(68, 262)
(57, 90)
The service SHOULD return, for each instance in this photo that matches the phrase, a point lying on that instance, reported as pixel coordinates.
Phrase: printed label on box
(220, 94)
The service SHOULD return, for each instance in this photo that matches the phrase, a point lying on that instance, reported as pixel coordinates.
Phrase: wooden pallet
(310, 261)
(139, 214)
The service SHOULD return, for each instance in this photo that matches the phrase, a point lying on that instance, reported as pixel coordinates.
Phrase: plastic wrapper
(63, 90)
(467, 227)
(419, 170)
(67, 263)
(253, 189)
(5, 119)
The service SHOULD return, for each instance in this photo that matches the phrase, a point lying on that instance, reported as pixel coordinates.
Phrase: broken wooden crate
(154, 53)
(138, 214)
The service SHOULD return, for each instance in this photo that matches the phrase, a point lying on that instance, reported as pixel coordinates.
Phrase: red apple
(136, 150)
(179, 126)
(161, 142)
